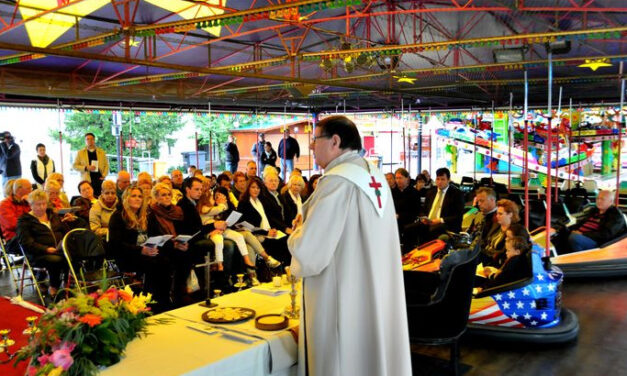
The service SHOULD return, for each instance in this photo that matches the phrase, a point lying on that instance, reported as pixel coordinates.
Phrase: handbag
(192, 282)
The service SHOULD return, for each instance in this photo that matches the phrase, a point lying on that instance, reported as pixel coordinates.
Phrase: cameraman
(10, 165)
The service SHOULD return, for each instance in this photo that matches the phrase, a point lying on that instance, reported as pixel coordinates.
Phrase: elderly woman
(176, 194)
(85, 200)
(40, 233)
(494, 252)
(292, 200)
(162, 216)
(58, 177)
(101, 211)
(128, 228)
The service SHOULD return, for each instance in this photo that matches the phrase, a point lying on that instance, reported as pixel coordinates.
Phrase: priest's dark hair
(344, 128)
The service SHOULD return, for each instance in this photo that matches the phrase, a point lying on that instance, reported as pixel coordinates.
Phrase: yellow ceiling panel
(44, 30)
(188, 10)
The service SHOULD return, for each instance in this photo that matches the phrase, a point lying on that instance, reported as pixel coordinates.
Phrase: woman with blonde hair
(291, 198)
(127, 236)
(58, 177)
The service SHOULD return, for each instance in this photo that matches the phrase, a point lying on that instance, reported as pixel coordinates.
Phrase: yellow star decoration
(595, 64)
(405, 79)
(188, 10)
(132, 42)
(44, 30)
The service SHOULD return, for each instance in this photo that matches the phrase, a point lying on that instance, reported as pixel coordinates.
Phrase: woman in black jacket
(162, 216)
(517, 264)
(254, 209)
(268, 157)
(40, 233)
(127, 232)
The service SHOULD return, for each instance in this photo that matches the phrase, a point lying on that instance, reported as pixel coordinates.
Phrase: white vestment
(353, 317)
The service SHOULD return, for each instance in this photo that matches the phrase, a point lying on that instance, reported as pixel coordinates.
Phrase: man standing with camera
(10, 164)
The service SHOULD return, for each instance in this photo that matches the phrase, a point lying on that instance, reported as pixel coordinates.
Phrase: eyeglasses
(314, 138)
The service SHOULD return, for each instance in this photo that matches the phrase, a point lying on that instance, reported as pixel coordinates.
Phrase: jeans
(231, 166)
(580, 242)
(288, 169)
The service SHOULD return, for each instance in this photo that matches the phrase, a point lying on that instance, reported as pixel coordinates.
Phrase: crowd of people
(427, 210)
(36, 214)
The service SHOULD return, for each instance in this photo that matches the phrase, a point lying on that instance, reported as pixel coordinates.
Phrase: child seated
(516, 265)
(219, 210)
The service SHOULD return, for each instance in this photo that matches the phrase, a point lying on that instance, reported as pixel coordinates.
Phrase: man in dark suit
(192, 223)
(444, 211)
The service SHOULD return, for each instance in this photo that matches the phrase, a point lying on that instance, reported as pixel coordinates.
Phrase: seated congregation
(126, 214)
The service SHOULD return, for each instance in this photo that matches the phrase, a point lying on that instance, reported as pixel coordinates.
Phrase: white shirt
(299, 203)
(265, 225)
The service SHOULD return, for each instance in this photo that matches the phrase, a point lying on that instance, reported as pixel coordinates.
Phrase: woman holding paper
(127, 233)
(253, 206)
(162, 216)
(214, 210)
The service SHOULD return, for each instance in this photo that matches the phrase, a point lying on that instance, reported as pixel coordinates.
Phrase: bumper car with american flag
(527, 310)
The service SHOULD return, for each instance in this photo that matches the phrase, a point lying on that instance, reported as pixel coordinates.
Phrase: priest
(346, 249)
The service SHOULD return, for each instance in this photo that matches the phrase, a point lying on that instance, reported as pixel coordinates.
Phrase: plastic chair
(83, 250)
(441, 319)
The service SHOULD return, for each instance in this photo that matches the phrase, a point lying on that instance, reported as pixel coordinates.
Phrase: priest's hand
(271, 233)
(436, 221)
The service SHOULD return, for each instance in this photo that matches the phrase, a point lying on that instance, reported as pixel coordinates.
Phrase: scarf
(165, 216)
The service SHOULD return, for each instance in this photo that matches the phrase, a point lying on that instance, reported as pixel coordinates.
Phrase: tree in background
(220, 125)
(149, 130)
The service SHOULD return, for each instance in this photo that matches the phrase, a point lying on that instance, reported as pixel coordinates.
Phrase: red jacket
(10, 211)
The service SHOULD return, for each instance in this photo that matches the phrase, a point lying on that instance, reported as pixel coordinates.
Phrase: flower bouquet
(82, 334)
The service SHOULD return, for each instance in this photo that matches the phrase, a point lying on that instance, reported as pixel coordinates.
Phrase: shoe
(254, 281)
(272, 262)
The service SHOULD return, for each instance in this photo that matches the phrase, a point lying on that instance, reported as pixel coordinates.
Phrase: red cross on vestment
(376, 185)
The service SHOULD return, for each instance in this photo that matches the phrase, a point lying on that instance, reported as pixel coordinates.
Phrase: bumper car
(528, 310)
(608, 260)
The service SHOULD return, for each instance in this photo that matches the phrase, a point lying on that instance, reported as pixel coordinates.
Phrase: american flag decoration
(536, 305)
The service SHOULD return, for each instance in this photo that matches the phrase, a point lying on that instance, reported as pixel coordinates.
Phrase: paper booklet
(247, 226)
(270, 290)
(233, 218)
(156, 241)
(185, 238)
